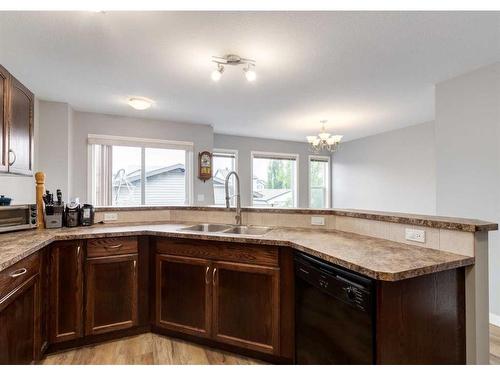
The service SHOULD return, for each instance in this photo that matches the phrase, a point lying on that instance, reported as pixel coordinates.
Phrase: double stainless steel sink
(227, 228)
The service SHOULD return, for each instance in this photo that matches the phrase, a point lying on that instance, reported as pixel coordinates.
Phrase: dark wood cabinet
(246, 306)
(4, 84)
(20, 313)
(183, 294)
(66, 291)
(111, 293)
(16, 125)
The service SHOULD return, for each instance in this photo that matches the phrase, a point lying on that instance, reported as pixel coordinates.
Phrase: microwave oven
(17, 217)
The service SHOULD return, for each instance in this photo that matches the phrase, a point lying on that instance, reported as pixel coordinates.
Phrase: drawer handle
(206, 275)
(18, 273)
(112, 247)
(14, 154)
(214, 273)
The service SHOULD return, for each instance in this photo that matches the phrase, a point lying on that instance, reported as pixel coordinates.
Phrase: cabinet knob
(11, 152)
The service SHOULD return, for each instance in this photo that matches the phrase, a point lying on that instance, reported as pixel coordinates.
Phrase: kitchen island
(421, 292)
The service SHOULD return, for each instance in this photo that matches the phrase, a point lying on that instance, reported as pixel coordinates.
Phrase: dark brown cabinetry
(231, 295)
(111, 285)
(66, 291)
(16, 125)
(183, 294)
(20, 312)
(246, 305)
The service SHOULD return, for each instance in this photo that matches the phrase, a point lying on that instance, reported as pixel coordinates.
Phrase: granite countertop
(431, 221)
(376, 258)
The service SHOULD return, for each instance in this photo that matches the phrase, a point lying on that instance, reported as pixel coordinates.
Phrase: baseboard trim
(495, 319)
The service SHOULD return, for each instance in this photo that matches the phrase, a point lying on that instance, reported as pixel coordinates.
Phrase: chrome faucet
(228, 198)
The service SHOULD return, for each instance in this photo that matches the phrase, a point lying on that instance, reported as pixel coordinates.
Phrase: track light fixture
(249, 70)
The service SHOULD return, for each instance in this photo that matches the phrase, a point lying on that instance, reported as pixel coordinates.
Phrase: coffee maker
(72, 214)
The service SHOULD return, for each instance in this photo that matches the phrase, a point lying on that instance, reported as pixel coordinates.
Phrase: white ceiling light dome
(140, 103)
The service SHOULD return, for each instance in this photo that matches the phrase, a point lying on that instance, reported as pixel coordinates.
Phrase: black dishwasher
(334, 314)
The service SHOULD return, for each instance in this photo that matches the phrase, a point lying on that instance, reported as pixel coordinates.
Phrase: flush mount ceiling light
(324, 141)
(234, 60)
(140, 104)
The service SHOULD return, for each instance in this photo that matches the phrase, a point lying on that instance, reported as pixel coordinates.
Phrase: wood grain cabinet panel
(4, 103)
(246, 306)
(111, 293)
(66, 291)
(20, 324)
(183, 294)
(21, 129)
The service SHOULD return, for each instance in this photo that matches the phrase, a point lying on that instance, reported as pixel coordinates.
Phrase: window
(224, 161)
(133, 172)
(319, 181)
(274, 180)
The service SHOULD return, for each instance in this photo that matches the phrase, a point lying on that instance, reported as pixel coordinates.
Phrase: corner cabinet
(16, 125)
(66, 291)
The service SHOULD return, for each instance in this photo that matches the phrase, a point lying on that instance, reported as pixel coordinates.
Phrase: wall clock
(205, 165)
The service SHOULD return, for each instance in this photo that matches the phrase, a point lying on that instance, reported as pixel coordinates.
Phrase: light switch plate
(416, 235)
(317, 220)
(110, 216)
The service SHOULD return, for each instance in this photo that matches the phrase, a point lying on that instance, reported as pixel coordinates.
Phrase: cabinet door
(20, 152)
(183, 294)
(111, 293)
(66, 291)
(4, 83)
(20, 324)
(246, 306)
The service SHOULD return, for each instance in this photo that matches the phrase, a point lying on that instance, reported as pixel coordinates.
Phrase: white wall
(468, 155)
(20, 188)
(393, 171)
(54, 146)
(245, 145)
(85, 123)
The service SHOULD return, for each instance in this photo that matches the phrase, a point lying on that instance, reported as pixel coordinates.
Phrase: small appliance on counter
(17, 217)
(72, 214)
(87, 215)
(5, 201)
(53, 211)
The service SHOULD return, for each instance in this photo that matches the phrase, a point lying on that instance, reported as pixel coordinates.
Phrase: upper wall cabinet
(16, 125)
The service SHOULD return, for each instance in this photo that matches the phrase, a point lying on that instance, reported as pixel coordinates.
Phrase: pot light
(217, 74)
(140, 104)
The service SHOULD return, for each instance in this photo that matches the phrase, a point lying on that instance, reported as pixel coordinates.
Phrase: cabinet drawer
(17, 274)
(215, 250)
(101, 247)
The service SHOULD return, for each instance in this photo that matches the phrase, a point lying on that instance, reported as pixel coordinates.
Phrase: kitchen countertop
(431, 221)
(376, 258)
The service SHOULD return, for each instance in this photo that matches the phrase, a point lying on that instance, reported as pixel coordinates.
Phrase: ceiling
(366, 72)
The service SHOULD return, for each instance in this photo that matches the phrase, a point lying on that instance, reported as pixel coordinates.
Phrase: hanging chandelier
(324, 141)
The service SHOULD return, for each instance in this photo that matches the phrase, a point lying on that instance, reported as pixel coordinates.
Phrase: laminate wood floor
(150, 348)
(147, 349)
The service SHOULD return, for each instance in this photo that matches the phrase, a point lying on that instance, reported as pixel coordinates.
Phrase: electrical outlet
(317, 220)
(110, 216)
(416, 235)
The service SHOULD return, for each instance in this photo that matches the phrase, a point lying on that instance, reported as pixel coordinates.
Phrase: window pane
(126, 176)
(165, 176)
(318, 183)
(273, 182)
(222, 165)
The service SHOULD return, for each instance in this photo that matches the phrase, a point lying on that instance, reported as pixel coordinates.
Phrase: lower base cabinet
(20, 324)
(111, 293)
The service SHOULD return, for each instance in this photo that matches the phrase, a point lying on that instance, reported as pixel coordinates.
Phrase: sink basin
(208, 228)
(250, 230)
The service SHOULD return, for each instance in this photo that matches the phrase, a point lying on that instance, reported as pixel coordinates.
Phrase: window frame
(328, 179)
(225, 151)
(143, 143)
(277, 155)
